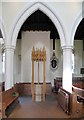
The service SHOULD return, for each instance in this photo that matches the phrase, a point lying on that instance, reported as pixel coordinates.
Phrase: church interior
(42, 60)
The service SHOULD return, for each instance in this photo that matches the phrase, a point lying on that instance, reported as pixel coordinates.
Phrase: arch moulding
(2, 27)
(27, 11)
(76, 22)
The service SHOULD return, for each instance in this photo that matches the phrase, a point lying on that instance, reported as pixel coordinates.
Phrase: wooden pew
(78, 91)
(70, 104)
(64, 99)
(8, 97)
(79, 100)
(77, 82)
(0, 105)
(57, 83)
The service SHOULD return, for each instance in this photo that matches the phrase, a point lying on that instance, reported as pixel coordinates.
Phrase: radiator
(63, 100)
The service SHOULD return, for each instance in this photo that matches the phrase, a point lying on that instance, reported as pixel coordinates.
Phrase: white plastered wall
(10, 11)
(68, 11)
(78, 52)
(38, 39)
(0, 9)
(17, 70)
(2, 42)
(58, 53)
(83, 60)
(1, 66)
(79, 62)
(17, 62)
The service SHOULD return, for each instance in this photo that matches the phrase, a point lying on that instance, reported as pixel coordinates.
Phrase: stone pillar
(67, 68)
(9, 53)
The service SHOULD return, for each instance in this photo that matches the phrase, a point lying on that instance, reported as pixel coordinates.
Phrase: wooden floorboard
(48, 109)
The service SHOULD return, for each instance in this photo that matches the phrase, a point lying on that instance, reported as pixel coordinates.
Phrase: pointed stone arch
(2, 28)
(27, 11)
(76, 23)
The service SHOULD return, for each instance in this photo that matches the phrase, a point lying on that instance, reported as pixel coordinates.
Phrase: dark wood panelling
(25, 88)
(76, 81)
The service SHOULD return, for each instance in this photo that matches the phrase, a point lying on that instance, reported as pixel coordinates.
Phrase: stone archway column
(9, 55)
(67, 68)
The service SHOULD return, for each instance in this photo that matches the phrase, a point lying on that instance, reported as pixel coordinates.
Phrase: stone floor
(48, 109)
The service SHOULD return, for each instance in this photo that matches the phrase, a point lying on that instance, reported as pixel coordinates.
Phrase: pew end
(70, 104)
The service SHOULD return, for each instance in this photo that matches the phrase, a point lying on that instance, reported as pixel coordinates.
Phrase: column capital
(9, 47)
(67, 47)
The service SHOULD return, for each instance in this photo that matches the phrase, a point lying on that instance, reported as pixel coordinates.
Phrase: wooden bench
(8, 97)
(64, 99)
(76, 81)
(78, 91)
(79, 97)
(0, 105)
(70, 103)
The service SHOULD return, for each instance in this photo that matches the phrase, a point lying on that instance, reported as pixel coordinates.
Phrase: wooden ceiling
(80, 31)
(39, 21)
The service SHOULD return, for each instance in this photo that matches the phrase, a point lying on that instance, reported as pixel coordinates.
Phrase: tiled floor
(48, 109)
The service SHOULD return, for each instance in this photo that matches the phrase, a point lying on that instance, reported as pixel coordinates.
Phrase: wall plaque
(53, 62)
